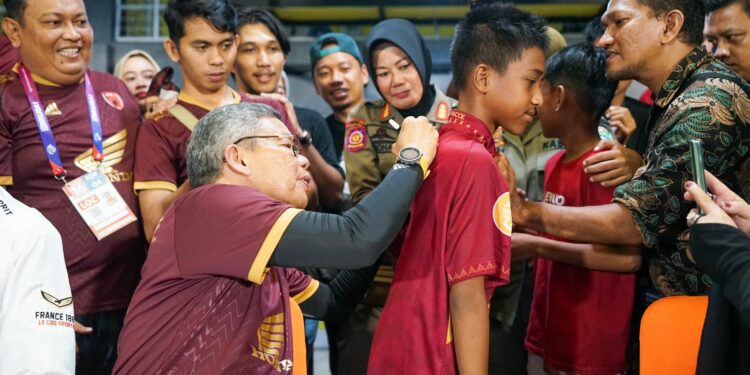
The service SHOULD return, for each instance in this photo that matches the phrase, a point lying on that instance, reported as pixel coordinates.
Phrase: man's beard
(627, 72)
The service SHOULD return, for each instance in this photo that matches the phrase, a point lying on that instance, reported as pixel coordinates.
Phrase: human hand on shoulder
(615, 164)
(156, 105)
(289, 106)
(419, 133)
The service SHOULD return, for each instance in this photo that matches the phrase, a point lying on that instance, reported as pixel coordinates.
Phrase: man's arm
(154, 203)
(336, 300)
(595, 257)
(610, 224)
(470, 322)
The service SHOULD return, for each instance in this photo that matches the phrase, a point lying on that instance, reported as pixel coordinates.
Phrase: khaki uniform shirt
(369, 137)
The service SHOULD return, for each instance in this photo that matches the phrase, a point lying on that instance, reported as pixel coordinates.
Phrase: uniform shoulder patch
(385, 114)
(441, 114)
(356, 139)
(113, 99)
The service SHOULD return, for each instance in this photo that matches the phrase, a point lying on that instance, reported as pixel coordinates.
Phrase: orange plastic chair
(670, 335)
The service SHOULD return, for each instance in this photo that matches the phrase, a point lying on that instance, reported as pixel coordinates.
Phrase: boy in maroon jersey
(583, 293)
(202, 40)
(54, 39)
(457, 244)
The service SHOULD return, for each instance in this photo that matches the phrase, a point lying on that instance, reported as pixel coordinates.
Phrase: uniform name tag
(99, 204)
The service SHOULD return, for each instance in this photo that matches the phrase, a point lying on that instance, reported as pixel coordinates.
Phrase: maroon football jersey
(207, 304)
(161, 149)
(580, 319)
(459, 229)
(103, 274)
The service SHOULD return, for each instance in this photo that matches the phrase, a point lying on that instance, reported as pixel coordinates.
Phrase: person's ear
(481, 78)
(172, 50)
(674, 21)
(560, 97)
(365, 74)
(235, 162)
(12, 29)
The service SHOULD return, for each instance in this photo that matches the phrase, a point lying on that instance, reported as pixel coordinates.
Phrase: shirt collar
(190, 100)
(671, 88)
(476, 127)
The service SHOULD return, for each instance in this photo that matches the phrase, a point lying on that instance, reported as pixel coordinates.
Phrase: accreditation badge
(99, 203)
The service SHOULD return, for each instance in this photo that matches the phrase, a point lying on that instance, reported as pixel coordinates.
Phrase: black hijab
(404, 35)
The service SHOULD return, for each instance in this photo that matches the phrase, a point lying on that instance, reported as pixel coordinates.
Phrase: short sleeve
(245, 227)
(41, 318)
(155, 160)
(479, 224)
(301, 286)
(6, 157)
(655, 195)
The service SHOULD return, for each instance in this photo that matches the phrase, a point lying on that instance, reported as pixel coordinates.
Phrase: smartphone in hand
(699, 169)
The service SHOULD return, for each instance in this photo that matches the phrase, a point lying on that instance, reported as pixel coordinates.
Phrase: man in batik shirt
(696, 97)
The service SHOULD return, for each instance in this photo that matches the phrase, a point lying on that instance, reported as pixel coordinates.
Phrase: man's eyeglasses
(293, 146)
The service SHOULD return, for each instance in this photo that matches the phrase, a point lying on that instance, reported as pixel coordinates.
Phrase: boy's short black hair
(496, 35)
(219, 13)
(714, 5)
(693, 10)
(582, 70)
(251, 16)
(14, 9)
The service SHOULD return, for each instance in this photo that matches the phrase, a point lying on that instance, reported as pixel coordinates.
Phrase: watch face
(409, 153)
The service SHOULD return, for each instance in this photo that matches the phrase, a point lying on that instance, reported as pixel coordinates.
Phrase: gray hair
(215, 131)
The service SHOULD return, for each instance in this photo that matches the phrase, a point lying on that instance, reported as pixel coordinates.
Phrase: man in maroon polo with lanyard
(83, 123)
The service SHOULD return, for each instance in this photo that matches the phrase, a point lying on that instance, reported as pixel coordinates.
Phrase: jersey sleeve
(36, 306)
(479, 224)
(245, 226)
(155, 160)
(301, 286)
(361, 159)
(6, 157)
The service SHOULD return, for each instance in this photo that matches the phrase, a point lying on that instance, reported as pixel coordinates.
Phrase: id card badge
(99, 204)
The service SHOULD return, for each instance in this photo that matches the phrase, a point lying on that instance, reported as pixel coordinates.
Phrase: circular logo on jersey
(114, 100)
(501, 214)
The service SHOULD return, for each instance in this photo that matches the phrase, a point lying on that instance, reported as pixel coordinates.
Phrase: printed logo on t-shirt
(52, 110)
(271, 342)
(59, 302)
(55, 318)
(501, 214)
(114, 149)
(114, 100)
(552, 198)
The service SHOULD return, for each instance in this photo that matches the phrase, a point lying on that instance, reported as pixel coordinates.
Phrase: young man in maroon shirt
(457, 244)
(202, 40)
(54, 38)
(217, 294)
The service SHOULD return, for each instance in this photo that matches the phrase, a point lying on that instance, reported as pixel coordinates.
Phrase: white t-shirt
(36, 305)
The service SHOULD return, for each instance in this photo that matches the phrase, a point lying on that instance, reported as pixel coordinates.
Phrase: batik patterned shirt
(701, 99)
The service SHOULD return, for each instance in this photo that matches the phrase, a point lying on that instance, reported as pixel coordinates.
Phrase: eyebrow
(537, 71)
(397, 62)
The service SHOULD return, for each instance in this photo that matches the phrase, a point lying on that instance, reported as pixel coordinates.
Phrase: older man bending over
(216, 294)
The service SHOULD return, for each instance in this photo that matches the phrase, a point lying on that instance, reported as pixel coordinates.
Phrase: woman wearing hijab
(398, 59)
(400, 64)
(136, 68)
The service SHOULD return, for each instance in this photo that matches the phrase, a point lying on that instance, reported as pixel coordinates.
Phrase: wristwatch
(305, 138)
(409, 156)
